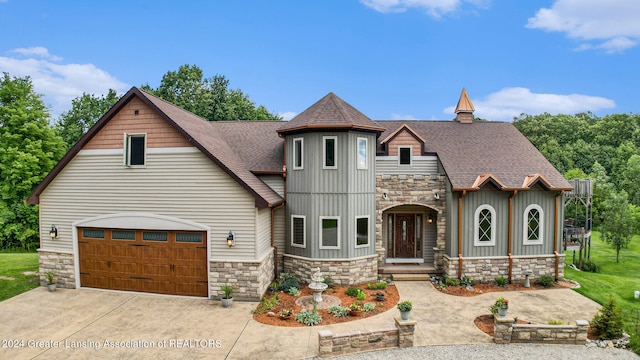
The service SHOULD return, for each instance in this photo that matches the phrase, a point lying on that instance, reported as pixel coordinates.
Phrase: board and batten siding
(544, 199)
(177, 182)
(499, 200)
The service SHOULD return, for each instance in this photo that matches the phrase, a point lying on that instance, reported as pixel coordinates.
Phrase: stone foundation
(488, 268)
(61, 263)
(250, 279)
(342, 272)
(506, 332)
(366, 340)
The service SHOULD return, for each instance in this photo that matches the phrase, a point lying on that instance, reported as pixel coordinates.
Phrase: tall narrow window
(298, 153)
(135, 145)
(532, 234)
(330, 150)
(362, 231)
(404, 154)
(484, 233)
(361, 162)
(298, 238)
(329, 232)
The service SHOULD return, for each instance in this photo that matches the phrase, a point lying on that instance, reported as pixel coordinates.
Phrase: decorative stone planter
(52, 287)
(227, 302)
(502, 312)
(404, 315)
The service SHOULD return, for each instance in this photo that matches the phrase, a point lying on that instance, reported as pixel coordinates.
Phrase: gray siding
(499, 201)
(275, 182)
(420, 165)
(345, 192)
(177, 182)
(279, 234)
(544, 199)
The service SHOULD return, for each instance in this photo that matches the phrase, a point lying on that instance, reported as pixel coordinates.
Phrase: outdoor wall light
(230, 239)
(436, 196)
(53, 232)
(385, 196)
(430, 219)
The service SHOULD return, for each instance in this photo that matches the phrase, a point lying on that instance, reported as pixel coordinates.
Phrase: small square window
(404, 154)
(135, 152)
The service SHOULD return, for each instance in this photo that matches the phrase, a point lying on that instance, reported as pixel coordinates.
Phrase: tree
(617, 226)
(85, 111)
(630, 177)
(209, 98)
(29, 148)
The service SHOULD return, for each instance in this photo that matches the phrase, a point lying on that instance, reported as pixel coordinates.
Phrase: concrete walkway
(84, 323)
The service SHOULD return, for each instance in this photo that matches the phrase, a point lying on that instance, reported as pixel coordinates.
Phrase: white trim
(404, 261)
(366, 153)
(525, 227)
(476, 225)
(413, 158)
(368, 232)
(351, 259)
(138, 221)
(301, 167)
(304, 231)
(335, 152)
(174, 150)
(127, 150)
(410, 155)
(337, 232)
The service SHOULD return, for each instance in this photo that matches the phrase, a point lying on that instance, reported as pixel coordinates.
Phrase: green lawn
(13, 281)
(616, 280)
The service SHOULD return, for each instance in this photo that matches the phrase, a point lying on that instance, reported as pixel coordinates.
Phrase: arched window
(484, 227)
(533, 225)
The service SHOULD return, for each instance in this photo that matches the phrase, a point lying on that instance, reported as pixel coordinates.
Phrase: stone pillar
(406, 328)
(325, 338)
(502, 329)
(581, 335)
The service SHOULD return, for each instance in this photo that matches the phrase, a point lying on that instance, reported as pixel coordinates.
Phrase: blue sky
(391, 59)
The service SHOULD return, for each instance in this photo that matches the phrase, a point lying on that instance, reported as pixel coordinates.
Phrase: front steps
(408, 272)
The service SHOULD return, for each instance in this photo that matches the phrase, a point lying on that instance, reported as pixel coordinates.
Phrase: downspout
(555, 234)
(464, 192)
(273, 212)
(510, 234)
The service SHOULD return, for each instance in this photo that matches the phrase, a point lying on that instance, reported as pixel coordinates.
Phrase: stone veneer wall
(366, 340)
(492, 267)
(506, 332)
(61, 263)
(250, 279)
(342, 271)
(411, 190)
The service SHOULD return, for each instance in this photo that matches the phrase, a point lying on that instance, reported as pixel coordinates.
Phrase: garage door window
(93, 234)
(155, 236)
(189, 237)
(123, 235)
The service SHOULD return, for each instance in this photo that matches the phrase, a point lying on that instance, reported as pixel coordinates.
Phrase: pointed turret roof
(330, 112)
(464, 104)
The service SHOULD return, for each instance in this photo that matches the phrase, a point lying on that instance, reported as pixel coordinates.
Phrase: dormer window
(404, 155)
(135, 150)
(329, 149)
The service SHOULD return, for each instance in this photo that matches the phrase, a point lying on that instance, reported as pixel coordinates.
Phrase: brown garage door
(164, 262)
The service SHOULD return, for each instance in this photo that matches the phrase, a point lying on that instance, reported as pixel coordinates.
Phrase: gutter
(464, 192)
(555, 234)
(510, 235)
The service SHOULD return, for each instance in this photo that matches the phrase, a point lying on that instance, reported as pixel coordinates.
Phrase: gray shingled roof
(467, 151)
(328, 113)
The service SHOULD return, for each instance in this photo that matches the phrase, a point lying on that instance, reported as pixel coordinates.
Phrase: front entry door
(405, 239)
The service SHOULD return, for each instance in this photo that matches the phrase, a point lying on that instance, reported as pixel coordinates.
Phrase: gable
(402, 139)
(160, 134)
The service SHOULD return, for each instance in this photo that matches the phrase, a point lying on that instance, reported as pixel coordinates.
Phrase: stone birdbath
(317, 285)
(526, 274)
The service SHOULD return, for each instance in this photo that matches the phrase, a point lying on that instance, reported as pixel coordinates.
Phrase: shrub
(267, 303)
(590, 266)
(361, 295)
(501, 281)
(405, 306)
(328, 281)
(339, 311)
(288, 284)
(293, 291)
(555, 322)
(353, 292)
(368, 306)
(380, 285)
(308, 318)
(466, 281)
(608, 321)
(452, 282)
(545, 280)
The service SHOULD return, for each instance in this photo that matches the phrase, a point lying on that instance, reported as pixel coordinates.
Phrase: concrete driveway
(85, 323)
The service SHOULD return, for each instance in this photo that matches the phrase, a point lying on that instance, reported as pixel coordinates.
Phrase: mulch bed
(286, 301)
(480, 288)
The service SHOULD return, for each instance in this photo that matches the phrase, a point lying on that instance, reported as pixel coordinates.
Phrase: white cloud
(37, 51)
(287, 115)
(402, 117)
(507, 103)
(59, 83)
(610, 25)
(435, 8)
